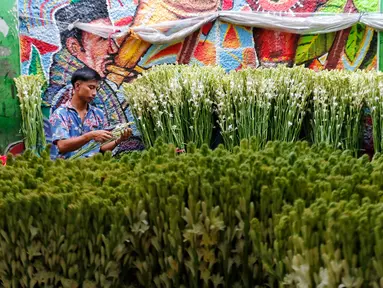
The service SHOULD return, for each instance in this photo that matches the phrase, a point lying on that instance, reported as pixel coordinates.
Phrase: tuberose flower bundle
(289, 215)
(116, 133)
(29, 89)
(338, 101)
(268, 104)
(373, 90)
(175, 102)
(184, 103)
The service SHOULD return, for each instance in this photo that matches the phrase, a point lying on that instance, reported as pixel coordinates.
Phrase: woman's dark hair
(85, 74)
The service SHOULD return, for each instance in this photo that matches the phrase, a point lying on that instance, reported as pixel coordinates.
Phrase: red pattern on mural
(206, 28)
(231, 39)
(124, 21)
(205, 52)
(227, 4)
(275, 47)
(26, 47)
(171, 50)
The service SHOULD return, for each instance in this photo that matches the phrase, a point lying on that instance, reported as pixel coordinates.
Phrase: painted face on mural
(96, 52)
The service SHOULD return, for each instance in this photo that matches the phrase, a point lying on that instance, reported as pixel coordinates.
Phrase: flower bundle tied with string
(175, 102)
(29, 89)
(338, 100)
(117, 133)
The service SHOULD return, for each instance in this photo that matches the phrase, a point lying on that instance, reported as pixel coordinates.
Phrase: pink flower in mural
(26, 44)
(3, 160)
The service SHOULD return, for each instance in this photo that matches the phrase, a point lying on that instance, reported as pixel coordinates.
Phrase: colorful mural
(49, 49)
(10, 68)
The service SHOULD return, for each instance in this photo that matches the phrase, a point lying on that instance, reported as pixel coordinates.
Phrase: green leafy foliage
(354, 40)
(290, 215)
(36, 68)
(333, 6)
(367, 5)
(313, 46)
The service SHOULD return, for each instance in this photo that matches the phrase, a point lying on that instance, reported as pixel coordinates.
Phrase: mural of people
(114, 64)
(118, 64)
(152, 12)
(81, 49)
